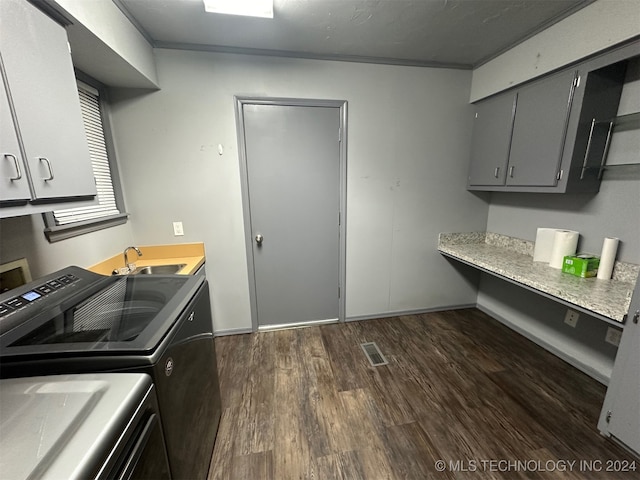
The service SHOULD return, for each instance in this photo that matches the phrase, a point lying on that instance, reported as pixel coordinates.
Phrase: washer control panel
(36, 293)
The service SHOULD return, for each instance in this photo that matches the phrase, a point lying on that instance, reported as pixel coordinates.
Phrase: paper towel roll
(544, 244)
(565, 242)
(607, 258)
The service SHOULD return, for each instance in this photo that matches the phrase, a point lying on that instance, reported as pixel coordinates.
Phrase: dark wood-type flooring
(460, 387)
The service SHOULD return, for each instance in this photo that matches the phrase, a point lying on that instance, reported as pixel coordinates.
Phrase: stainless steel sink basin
(159, 269)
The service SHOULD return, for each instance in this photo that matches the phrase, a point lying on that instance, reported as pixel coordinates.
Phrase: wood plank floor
(460, 387)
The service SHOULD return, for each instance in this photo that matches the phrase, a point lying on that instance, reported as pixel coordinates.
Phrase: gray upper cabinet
(551, 145)
(13, 181)
(42, 91)
(620, 417)
(539, 131)
(518, 137)
(491, 140)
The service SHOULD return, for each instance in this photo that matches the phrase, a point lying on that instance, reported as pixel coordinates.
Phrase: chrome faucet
(130, 266)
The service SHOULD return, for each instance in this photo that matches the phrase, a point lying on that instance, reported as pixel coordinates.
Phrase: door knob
(259, 239)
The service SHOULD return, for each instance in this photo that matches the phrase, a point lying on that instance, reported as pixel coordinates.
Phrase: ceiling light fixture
(249, 8)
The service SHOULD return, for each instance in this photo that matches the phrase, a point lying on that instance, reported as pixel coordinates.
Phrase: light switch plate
(177, 229)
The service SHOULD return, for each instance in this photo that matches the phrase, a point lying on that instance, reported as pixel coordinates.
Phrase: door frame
(240, 101)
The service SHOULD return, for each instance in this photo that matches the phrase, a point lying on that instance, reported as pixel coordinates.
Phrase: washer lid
(129, 314)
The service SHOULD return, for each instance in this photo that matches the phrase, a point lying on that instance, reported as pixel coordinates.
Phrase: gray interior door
(293, 174)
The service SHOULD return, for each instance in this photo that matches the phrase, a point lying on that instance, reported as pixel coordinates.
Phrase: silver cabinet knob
(259, 239)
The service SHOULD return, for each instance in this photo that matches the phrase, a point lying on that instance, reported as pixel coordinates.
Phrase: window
(109, 211)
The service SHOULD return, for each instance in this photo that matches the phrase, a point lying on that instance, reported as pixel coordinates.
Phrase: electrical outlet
(613, 336)
(177, 229)
(571, 318)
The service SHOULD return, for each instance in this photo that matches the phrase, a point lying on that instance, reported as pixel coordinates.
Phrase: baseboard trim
(356, 318)
(285, 326)
(583, 367)
(232, 331)
(400, 313)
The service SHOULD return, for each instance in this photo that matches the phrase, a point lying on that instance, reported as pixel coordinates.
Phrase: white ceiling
(454, 33)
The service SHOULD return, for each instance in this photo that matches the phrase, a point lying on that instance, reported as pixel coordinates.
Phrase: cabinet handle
(16, 164)
(511, 169)
(46, 160)
(572, 91)
(605, 152)
(496, 172)
(586, 152)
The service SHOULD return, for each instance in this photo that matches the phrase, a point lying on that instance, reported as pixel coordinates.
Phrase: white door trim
(240, 101)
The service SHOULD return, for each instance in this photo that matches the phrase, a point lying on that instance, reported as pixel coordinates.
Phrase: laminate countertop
(190, 254)
(512, 259)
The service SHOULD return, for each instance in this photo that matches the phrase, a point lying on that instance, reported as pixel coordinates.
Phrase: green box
(583, 265)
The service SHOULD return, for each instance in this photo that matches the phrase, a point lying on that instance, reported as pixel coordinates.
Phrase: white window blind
(90, 105)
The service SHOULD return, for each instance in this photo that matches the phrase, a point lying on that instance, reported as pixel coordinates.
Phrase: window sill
(63, 232)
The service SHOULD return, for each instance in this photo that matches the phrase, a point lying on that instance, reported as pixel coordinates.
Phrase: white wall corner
(107, 46)
(598, 26)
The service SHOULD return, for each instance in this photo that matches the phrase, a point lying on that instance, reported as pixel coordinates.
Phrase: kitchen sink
(159, 269)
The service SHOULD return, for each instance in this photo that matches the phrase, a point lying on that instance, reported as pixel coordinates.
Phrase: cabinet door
(539, 131)
(13, 180)
(491, 139)
(624, 387)
(42, 87)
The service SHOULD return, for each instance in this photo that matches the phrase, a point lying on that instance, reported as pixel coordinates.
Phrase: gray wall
(24, 237)
(613, 212)
(408, 146)
(542, 320)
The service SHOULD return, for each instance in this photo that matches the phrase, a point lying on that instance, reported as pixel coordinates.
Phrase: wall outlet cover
(177, 229)
(613, 336)
(571, 318)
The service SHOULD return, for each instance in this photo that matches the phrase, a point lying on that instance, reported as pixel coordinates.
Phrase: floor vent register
(373, 353)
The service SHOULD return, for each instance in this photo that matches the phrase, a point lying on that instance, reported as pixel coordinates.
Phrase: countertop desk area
(511, 259)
